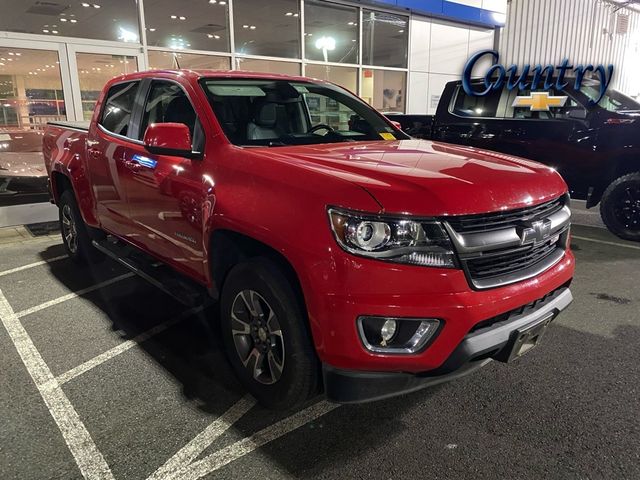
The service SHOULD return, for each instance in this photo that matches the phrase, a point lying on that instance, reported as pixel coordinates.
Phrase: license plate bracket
(528, 337)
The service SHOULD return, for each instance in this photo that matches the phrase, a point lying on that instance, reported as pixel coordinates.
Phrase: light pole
(326, 44)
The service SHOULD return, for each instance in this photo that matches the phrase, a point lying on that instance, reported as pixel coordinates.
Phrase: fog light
(396, 335)
(388, 330)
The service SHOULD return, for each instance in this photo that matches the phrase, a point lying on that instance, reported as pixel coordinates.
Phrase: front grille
(510, 260)
(500, 248)
(498, 220)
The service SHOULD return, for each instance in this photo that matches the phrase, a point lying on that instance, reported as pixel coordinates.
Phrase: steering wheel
(321, 126)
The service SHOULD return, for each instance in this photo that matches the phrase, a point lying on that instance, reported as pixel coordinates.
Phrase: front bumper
(477, 349)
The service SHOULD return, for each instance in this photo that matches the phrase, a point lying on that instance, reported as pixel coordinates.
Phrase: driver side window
(167, 103)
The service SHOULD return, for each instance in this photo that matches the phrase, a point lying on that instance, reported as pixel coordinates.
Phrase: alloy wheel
(257, 337)
(627, 207)
(69, 229)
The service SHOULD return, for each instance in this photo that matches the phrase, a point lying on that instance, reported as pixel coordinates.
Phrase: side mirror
(396, 124)
(168, 139)
(578, 114)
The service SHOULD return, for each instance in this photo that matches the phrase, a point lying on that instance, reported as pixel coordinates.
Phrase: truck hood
(419, 177)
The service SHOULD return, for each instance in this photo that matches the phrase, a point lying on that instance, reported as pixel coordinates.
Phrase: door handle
(133, 166)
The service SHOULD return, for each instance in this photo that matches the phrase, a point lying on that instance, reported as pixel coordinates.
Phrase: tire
(280, 370)
(75, 234)
(620, 207)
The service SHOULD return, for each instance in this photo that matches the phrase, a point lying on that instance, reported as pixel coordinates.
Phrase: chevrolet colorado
(594, 147)
(344, 255)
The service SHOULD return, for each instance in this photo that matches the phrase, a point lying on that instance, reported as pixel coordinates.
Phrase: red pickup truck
(346, 256)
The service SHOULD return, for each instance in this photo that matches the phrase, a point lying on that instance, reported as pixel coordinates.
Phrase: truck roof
(202, 73)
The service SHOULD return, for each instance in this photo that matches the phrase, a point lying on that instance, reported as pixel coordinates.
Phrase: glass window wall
(188, 24)
(346, 77)
(269, 28)
(30, 96)
(115, 20)
(172, 60)
(384, 90)
(96, 69)
(384, 39)
(267, 66)
(330, 32)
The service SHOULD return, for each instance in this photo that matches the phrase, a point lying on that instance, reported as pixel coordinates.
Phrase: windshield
(612, 101)
(259, 112)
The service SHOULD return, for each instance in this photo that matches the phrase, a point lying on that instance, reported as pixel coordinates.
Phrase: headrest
(266, 115)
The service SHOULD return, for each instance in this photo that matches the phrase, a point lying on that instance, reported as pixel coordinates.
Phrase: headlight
(400, 240)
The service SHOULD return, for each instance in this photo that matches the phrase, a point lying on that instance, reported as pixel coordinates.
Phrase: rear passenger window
(118, 108)
(468, 106)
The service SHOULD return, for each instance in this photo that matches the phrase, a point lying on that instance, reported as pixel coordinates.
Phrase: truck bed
(81, 126)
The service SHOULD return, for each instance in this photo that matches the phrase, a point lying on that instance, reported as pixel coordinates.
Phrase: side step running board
(159, 275)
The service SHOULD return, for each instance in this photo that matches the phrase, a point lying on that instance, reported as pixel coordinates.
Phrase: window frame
(132, 125)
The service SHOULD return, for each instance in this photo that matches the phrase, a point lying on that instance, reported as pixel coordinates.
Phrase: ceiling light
(243, 26)
(209, 35)
(73, 20)
(54, 31)
(213, 2)
(18, 54)
(217, 37)
(174, 17)
(95, 5)
(288, 14)
(1, 64)
(85, 4)
(182, 18)
(252, 27)
(400, 31)
(296, 15)
(222, 3)
(11, 53)
(44, 30)
(152, 29)
(63, 19)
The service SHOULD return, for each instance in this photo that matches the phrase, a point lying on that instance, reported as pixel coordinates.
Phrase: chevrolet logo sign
(539, 101)
(534, 232)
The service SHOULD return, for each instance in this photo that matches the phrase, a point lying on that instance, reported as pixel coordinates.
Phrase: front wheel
(265, 333)
(620, 207)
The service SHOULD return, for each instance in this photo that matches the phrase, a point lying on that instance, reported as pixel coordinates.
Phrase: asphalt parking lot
(105, 376)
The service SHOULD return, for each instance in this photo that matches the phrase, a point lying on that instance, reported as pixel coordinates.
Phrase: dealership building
(55, 56)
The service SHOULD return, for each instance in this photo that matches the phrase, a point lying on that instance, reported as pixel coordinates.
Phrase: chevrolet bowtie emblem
(539, 101)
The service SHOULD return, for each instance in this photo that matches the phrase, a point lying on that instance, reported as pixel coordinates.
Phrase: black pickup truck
(595, 148)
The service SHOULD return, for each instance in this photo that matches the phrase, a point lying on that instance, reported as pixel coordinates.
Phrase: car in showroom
(595, 148)
(345, 256)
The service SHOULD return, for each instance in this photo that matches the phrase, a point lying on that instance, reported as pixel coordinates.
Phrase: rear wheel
(266, 338)
(75, 235)
(620, 207)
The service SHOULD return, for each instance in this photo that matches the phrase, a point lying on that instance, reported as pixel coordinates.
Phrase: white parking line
(247, 445)
(199, 444)
(89, 459)
(124, 346)
(604, 242)
(69, 296)
(31, 265)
